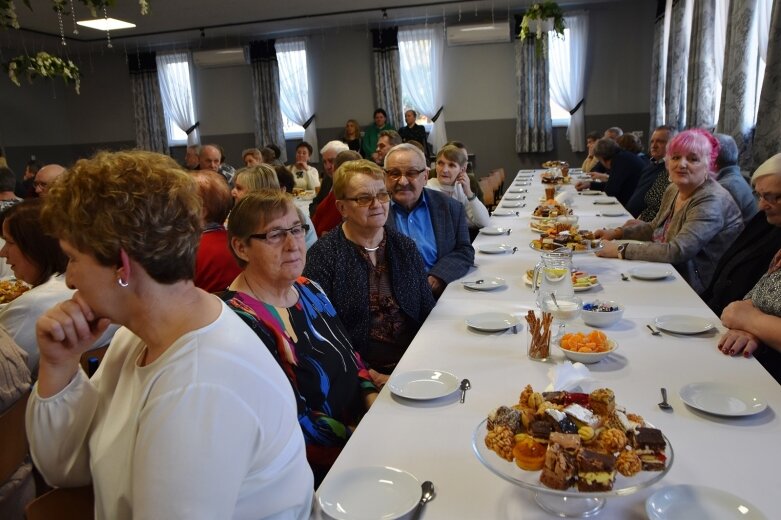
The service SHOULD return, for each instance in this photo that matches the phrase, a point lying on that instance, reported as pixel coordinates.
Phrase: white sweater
(310, 179)
(476, 212)
(208, 430)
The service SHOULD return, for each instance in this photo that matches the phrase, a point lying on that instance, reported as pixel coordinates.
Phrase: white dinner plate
(682, 324)
(378, 492)
(696, 502)
(423, 384)
(650, 272)
(517, 190)
(722, 399)
(513, 204)
(576, 288)
(591, 192)
(612, 212)
(526, 171)
(495, 249)
(606, 201)
(505, 213)
(512, 196)
(487, 284)
(494, 230)
(493, 321)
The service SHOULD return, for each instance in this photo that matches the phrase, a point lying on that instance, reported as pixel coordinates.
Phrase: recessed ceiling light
(106, 24)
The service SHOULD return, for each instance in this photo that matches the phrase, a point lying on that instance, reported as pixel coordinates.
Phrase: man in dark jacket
(622, 167)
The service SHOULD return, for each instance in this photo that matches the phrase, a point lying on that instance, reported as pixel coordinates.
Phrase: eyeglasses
(395, 174)
(39, 184)
(367, 200)
(770, 198)
(277, 236)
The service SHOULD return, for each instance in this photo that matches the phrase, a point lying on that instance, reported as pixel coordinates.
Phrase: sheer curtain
(677, 63)
(265, 95)
(387, 75)
(148, 112)
(568, 76)
(294, 90)
(659, 63)
(175, 72)
(420, 53)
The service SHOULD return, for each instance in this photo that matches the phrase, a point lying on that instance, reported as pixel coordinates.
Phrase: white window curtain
(719, 46)
(420, 54)
(567, 72)
(175, 73)
(294, 88)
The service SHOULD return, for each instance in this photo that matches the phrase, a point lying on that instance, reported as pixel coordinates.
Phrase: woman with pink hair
(697, 220)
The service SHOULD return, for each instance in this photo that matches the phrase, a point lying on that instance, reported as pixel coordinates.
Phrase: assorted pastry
(11, 290)
(551, 209)
(571, 237)
(575, 439)
(581, 280)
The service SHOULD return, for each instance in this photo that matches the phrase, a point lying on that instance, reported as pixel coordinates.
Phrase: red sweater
(327, 216)
(215, 267)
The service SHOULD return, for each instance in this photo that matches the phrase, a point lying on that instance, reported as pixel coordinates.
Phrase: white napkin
(571, 377)
(565, 197)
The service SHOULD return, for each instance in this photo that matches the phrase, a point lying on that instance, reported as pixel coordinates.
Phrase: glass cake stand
(569, 503)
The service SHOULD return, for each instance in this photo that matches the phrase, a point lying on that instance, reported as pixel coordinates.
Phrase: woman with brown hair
(352, 135)
(188, 415)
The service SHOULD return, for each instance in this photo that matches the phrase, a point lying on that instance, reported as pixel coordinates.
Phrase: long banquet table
(433, 439)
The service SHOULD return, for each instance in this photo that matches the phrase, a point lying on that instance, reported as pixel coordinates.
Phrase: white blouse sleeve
(313, 178)
(58, 428)
(476, 212)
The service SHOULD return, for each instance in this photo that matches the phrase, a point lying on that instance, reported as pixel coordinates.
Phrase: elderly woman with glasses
(188, 415)
(754, 320)
(697, 220)
(374, 275)
(297, 322)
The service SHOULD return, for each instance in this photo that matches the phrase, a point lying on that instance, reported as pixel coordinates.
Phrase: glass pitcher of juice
(553, 275)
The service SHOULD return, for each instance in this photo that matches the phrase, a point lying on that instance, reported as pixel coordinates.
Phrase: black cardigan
(336, 264)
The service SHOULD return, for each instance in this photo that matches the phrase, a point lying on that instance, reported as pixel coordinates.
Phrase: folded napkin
(565, 197)
(571, 377)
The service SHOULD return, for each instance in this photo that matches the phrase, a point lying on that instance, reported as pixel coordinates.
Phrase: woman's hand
(609, 249)
(739, 314)
(582, 185)
(736, 341)
(463, 180)
(608, 234)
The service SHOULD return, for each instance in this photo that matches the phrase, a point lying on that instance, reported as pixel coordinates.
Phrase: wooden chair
(92, 358)
(63, 504)
(488, 186)
(13, 438)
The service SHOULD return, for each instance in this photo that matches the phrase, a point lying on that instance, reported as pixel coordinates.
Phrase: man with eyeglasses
(748, 257)
(433, 220)
(45, 177)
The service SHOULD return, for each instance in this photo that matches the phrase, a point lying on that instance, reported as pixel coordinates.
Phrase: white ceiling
(231, 22)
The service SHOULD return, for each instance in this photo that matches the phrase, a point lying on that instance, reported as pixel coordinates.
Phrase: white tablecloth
(433, 440)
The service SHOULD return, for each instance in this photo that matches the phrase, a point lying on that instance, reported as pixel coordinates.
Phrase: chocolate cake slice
(596, 471)
(650, 445)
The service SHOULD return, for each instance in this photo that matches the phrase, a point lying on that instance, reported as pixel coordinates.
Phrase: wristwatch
(621, 250)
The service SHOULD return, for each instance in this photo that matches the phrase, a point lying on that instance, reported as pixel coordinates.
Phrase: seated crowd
(314, 307)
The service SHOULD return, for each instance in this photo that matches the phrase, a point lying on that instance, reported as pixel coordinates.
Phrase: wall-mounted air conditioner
(219, 58)
(478, 33)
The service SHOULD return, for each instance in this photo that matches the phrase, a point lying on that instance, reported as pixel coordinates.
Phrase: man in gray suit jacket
(433, 220)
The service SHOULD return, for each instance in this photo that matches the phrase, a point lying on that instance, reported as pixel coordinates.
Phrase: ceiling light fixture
(106, 24)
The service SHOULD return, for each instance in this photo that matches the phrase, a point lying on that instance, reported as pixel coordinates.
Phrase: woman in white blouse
(37, 260)
(306, 177)
(188, 416)
(453, 180)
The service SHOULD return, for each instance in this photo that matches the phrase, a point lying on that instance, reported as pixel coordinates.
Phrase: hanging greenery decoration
(43, 65)
(537, 17)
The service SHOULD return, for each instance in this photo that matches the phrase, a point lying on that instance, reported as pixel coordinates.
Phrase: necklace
(255, 294)
(371, 249)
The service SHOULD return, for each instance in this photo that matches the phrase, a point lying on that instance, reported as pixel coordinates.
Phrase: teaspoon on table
(476, 282)
(653, 330)
(465, 385)
(664, 405)
(624, 277)
(427, 492)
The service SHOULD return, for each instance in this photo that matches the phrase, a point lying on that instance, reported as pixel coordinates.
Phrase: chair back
(13, 438)
(63, 504)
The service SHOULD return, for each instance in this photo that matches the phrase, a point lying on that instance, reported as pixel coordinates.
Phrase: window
(414, 56)
(174, 71)
(293, 86)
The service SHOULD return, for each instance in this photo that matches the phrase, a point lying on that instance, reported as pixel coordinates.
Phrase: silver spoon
(476, 282)
(515, 249)
(465, 385)
(553, 297)
(427, 492)
(624, 277)
(653, 330)
(664, 405)
(508, 230)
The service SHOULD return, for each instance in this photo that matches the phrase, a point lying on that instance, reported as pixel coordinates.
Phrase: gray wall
(52, 122)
